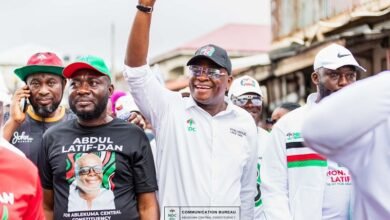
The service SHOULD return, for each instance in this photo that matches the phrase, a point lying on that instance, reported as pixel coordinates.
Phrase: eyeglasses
(335, 75)
(244, 99)
(87, 169)
(212, 73)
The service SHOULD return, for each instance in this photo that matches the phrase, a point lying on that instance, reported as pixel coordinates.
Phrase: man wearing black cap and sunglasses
(206, 146)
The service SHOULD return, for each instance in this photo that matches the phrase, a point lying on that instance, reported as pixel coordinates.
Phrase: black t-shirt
(28, 137)
(96, 172)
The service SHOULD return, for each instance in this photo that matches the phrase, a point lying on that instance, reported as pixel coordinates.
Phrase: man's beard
(44, 111)
(323, 91)
(96, 113)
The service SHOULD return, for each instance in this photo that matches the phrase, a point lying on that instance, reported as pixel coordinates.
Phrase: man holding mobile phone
(43, 90)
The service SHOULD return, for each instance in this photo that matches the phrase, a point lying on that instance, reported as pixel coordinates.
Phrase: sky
(80, 27)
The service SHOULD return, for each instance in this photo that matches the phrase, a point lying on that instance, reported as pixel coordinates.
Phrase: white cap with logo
(335, 56)
(244, 84)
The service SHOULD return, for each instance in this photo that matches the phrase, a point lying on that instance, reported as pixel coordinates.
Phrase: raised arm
(151, 96)
(138, 42)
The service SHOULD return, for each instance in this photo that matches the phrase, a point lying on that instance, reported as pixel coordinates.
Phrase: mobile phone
(24, 104)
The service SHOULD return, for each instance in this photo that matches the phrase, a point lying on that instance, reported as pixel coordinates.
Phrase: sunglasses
(87, 169)
(244, 99)
(211, 73)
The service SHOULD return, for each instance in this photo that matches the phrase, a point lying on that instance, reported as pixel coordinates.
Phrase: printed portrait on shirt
(90, 178)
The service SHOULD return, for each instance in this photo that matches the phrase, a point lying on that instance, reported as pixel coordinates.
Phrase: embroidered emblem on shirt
(21, 138)
(191, 125)
(291, 136)
(237, 132)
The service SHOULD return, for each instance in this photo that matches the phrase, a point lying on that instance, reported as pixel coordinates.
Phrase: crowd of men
(326, 159)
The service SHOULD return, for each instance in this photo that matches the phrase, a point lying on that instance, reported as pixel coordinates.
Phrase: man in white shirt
(206, 146)
(298, 183)
(358, 136)
(246, 93)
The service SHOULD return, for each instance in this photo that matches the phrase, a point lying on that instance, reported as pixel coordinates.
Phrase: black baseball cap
(214, 53)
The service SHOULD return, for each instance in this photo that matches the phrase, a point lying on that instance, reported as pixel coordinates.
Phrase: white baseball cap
(335, 56)
(244, 84)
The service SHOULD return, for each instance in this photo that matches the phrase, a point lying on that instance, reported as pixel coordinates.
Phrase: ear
(229, 82)
(315, 78)
(64, 81)
(111, 89)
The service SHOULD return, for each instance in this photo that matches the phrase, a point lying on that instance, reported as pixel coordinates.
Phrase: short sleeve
(44, 166)
(143, 167)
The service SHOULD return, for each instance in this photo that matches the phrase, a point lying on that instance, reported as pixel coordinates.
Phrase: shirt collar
(312, 98)
(190, 102)
(36, 117)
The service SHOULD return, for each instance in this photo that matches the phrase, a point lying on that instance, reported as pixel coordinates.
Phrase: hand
(137, 119)
(16, 113)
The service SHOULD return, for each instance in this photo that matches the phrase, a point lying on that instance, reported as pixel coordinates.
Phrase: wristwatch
(144, 8)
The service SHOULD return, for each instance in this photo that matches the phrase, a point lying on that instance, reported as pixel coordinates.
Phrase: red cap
(45, 58)
(45, 62)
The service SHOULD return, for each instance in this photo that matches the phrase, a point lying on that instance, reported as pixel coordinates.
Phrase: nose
(249, 104)
(203, 76)
(83, 89)
(43, 90)
(91, 172)
(343, 81)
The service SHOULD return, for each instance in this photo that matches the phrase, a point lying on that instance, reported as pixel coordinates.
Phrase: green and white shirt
(297, 182)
